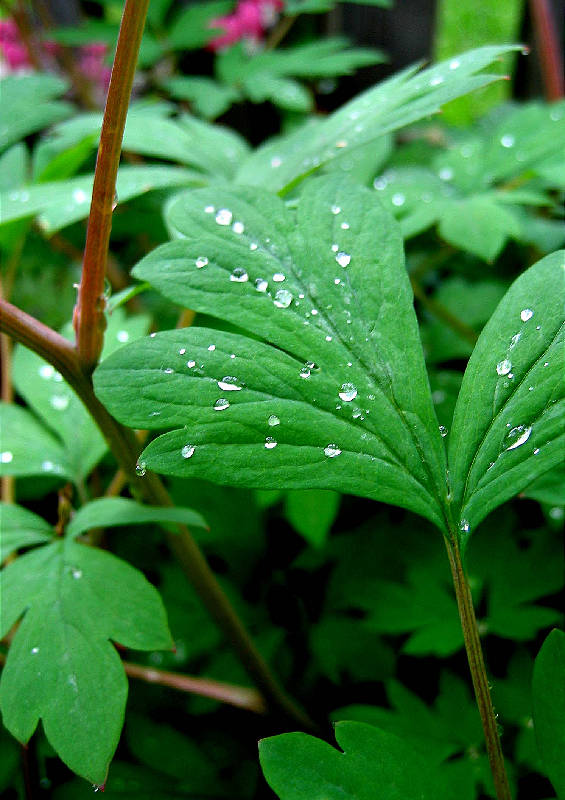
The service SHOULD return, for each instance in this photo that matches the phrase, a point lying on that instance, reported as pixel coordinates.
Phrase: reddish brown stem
(239, 696)
(550, 53)
(89, 320)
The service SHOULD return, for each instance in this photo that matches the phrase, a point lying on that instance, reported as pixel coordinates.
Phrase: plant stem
(478, 669)
(444, 314)
(239, 696)
(550, 54)
(125, 447)
(89, 320)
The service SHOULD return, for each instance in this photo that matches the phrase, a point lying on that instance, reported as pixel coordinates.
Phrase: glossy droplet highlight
(332, 450)
(518, 436)
(46, 371)
(201, 262)
(443, 431)
(141, 468)
(507, 140)
(224, 216)
(261, 285)
(229, 384)
(503, 367)
(221, 404)
(188, 451)
(336, 209)
(6, 457)
(238, 227)
(348, 392)
(278, 277)
(526, 314)
(283, 298)
(59, 402)
(343, 259)
(273, 421)
(305, 372)
(239, 275)
(270, 443)
(464, 526)
(398, 199)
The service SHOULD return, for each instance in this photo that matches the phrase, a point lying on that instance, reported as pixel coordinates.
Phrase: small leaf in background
(459, 25)
(549, 707)
(32, 104)
(191, 29)
(342, 645)
(21, 528)
(479, 225)
(61, 667)
(28, 448)
(312, 512)
(329, 405)
(297, 766)
(508, 423)
(209, 98)
(548, 488)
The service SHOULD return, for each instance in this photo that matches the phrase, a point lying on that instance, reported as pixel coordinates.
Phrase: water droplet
(168, 371)
(190, 364)
(556, 512)
(328, 338)
(34, 651)
(59, 402)
(229, 384)
(261, 285)
(141, 468)
(238, 227)
(80, 196)
(464, 526)
(536, 451)
(6, 457)
(76, 573)
(182, 351)
(337, 281)
(504, 367)
(526, 314)
(253, 246)
(507, 140)
(46, 371)
(270, 443)
(446, 173)
(276, 162)
(454, 64)
(304, 372)
(530, 388)
(518, 436)
(348, 392)
(152, 335)
(201, 262)
(332, 450)
(380, 183)
(344, 226)
(211, 347)
(438, 396)
(336, 209)
(515, 339)
(115, 201)
(435, 81)
(239, 275)
(273, 420)
(209, 209)
(443, 431)
(398, 199)
(221, 404)
(343, 259)
(188, 450)
(224, 216)
(341, 143)
(283, 298)
(278, 277)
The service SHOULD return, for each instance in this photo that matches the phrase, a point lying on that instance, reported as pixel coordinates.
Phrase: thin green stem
(89, 320)
(477, 668)
(125, 447)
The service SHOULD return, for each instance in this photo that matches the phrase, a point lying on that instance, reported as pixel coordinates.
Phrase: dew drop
(398, 199)
(47, 466)
(229, 384)
(507, 140)
(76, 573)
(515, 339)
(526, 314)
(190, 364)
(273, 420)
(141, 468)
(332, 450)
(276, 162)
(270, 443)
(182, 351)
(283, 298)
(201, 262)
(46, 371)
(6, 457)
(224, 216)
(188, 450)
(168, 371)
(221, 404)
(454, 64)
(34, 651)
(504, 367)
(344, 226)
(436, 81)
(211, 347)
(380, 183)
(336, 209)
(122, 336)
(464, 526)
(238, 227)
(305, 372)
(556, 513)
(59, 402)
(536, 451)
(328, 338)
(278, 277)
(443, 431)
(518, 436)
(343, 259)
(80, 196)
(209, 209)
(239, 275)
(348, 392)
(253, 246)
(446, 173)
(261, 285)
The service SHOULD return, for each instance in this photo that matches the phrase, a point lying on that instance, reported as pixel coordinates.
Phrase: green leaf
(479, 225)
(60, 203)
(209, 98)
(549, 707)
(28, 448)
(508, 422)
(21, 528)
(312, 512)
(109, 512)
(392, 104)
(329, 405)
(283, 92)
(298, 766)
(32, 104)
(548, 488)
(190, 29)
(61, 667)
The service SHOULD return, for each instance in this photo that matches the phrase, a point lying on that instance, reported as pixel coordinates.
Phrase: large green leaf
(28, 448)
(337, 399)
(396, 102)
(549, 707)
(21, 528)
(508, 423)
(61, 667)
(32, 105)
(300, 767)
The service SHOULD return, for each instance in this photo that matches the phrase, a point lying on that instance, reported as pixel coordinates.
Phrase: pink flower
(12, 50)
(249, 21)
